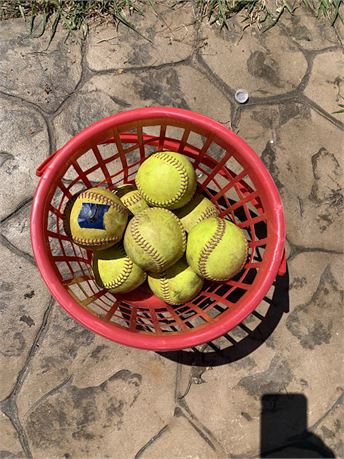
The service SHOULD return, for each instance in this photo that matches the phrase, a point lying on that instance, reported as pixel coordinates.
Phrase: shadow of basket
(246, 337)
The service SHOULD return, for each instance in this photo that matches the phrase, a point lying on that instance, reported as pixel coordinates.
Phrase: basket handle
(41, 168)
(283, 266)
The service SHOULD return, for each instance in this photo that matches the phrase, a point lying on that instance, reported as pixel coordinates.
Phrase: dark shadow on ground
(229, 349)
(283, 429)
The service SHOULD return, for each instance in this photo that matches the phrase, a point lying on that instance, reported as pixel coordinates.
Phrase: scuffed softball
(166, 179)
(216, 249)
(114, 270)
(97, 219)
(155, 239)
(198, 209)
(134, 202)
(176, 285)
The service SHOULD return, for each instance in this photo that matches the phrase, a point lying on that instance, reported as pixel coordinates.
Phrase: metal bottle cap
(241, 96)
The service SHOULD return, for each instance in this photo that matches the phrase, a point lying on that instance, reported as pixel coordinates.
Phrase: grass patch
(265, 11)
(73, 14)
(77, 14)
(341, 109)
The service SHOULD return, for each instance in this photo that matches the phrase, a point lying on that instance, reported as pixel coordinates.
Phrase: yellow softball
(134, 202)
(155, 239)
(176, 285)
(97, 219)
(198, 209)
(166, 179)
(114, 270)
(217, 249)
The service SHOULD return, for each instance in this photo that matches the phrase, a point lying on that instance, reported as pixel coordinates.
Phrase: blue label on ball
(92, 215)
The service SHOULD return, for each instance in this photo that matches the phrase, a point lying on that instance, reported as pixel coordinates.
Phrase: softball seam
(207, 213)
(209, 247)
(165, 291)
(131, 200)
(124, 275)
(145, 245)
(184, 181)
(104, 200)
(94, 242)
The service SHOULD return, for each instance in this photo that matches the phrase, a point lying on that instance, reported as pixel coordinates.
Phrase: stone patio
(67, 393)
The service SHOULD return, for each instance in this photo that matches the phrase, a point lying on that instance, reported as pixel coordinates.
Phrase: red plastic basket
(109, 153)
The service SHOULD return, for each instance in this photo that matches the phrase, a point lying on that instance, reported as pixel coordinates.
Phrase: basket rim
(161, 342)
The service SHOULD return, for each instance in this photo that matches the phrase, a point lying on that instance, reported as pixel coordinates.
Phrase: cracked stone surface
(179, 439)
(16, 229)
(310, 33)
(330, 429)
(182, 86)
(109, 387)
(9, 442)
(67, 392)
(23, 299)
(83, 109)
(24, 144)
(169, 37)
(261, 58)
(326, 85)
(31, 71)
